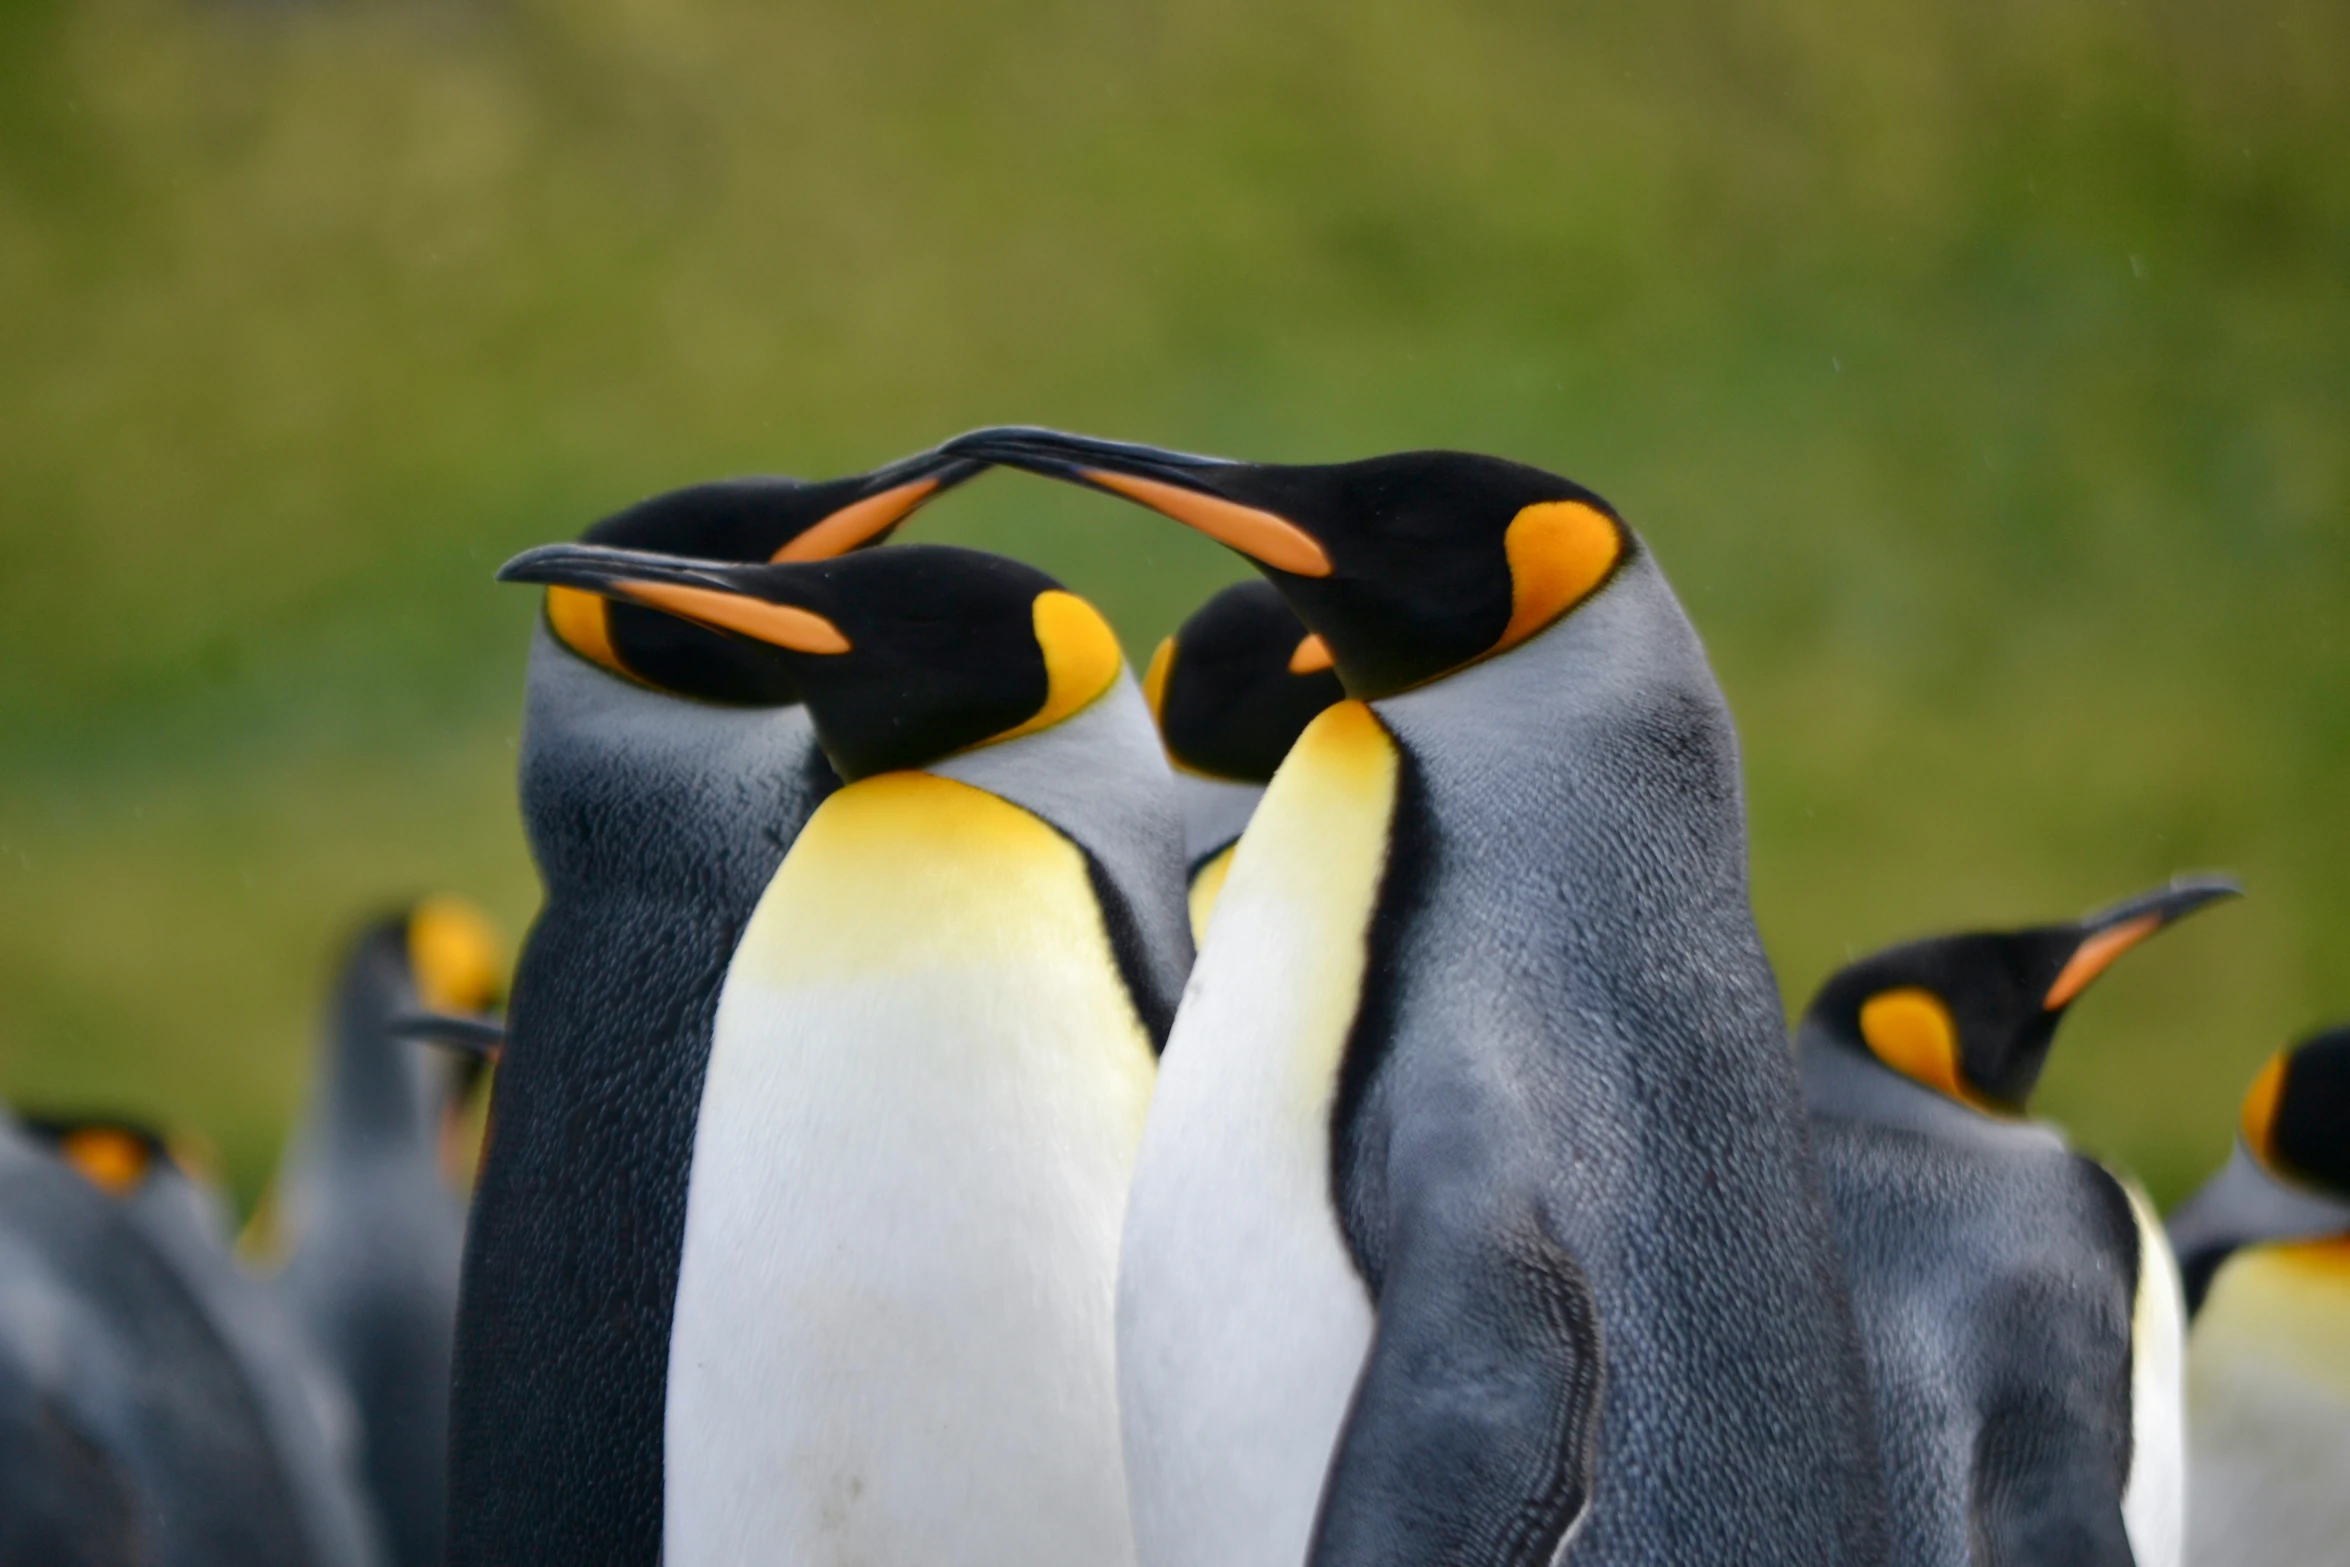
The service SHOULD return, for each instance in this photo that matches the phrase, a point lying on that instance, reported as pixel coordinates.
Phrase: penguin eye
(1911, 1031)
(1558, 551)
(581, 622)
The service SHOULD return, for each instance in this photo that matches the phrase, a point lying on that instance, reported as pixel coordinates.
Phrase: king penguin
(372, 1226)
(304, 1405)
(1232, 690)
(131, 1429)
(2018, 1302)
(2265, 1247)
(655, 824)
(1473, 1220)
(932, 1054)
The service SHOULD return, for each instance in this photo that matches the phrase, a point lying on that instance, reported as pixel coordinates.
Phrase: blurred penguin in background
(1232, 690)
(2265, 1247)
(154, 1408)
(369, 1213)
(2017, 1300)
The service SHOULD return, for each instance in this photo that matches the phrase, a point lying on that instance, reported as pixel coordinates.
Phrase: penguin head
(734, 520)
(1237, 683)
(904, 656)
(2295, 1121)
(2289, 1177)
(115, 1155)
(1406, 566)
(1971, 1016)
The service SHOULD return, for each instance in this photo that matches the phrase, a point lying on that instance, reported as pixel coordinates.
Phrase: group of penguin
(171, 1393)
(1324, 1102)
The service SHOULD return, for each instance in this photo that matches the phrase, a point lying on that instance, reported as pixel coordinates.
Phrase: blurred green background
(1979, 369)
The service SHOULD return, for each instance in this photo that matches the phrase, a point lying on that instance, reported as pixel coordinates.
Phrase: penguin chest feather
(1242, 1320)
(2154, 1497)
(893, 1330)
(2268, 1387)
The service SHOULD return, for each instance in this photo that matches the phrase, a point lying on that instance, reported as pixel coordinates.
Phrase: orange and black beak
(1407, 566)
(2105, 935)
(706, 593)
(471, 1036)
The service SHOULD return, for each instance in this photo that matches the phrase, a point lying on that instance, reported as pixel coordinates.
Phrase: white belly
(1242, 1323)
(2154, 1499)
(2268, 1387)
(892, 1341)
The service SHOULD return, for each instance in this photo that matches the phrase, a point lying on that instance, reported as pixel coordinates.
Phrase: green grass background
(1979, 369)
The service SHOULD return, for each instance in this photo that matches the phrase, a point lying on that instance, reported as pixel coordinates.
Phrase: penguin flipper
(1473, 1432)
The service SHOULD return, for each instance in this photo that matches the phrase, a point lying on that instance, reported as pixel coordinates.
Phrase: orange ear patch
(1310, 656)
(576, 616)
(1081, 658)
(108, 1158)
(1911, 1031)
(1154, 679)
(1558, 552)
(455, 955)
(2258, 1117)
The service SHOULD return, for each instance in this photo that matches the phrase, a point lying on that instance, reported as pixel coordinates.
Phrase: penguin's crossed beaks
(904, 656)
(1406, 566)
(734, 521)
(1972, 1016)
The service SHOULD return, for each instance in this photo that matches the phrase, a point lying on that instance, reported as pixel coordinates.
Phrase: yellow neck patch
(576, 616)
(1911, 1031)
(108, 1158)
(455, 955)
(1081, 658)
(1558, 552)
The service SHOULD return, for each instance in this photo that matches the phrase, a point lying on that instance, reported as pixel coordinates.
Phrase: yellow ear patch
(2259, 1114)
(1911, 1031)
(107, 1157)
(455, 955)
(1154, 679)
(1081, 658)
(576, 616)
(1558, 552)
(1310, 656)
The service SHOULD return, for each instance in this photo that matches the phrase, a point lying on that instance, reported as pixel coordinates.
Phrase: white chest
(2268, 1386)
(892, 1341)
(1242, 1323)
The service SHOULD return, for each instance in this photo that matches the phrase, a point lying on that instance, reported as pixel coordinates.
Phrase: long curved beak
(705, 593)
(2110, 932)
(479, 1036)
(872, 504)
(1191, 489)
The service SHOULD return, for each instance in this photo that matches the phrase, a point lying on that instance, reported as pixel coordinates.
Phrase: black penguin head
(1971, 1016)
(2296, 1118)
(1407, 566)
(904, 656)
(115, 1155)
(1238, 682)
(745, 520)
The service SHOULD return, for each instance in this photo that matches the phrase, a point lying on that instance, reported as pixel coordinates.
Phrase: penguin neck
(631, 793)
(1842, 1081)
(1215, 811)
(2244, 1205)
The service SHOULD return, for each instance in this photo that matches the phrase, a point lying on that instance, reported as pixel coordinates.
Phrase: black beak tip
(477, 1036)
(540, 565)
